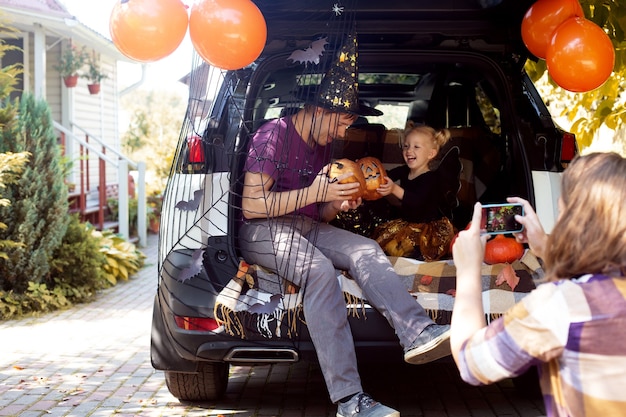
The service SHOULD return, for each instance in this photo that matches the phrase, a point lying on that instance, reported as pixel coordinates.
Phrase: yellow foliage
(123, 259)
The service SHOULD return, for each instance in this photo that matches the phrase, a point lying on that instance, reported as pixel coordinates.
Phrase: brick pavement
(94, 360)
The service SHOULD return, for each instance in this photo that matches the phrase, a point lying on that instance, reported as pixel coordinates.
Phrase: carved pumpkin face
(374, 174)
(343, 166)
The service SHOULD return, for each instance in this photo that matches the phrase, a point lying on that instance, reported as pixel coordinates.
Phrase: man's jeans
(306, 253)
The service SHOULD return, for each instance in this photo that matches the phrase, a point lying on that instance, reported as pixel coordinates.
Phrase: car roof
(483, 25)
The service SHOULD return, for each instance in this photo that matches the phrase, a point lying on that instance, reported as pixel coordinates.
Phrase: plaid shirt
(575, 330)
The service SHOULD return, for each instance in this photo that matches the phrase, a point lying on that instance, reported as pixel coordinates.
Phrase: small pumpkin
(374, 173)
(503, 249)
(343, 166)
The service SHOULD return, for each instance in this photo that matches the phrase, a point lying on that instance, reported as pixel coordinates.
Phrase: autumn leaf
(426, 280)
(509, 276)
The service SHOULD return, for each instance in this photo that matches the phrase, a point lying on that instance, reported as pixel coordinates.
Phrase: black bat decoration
(311, 54)
(195, 268)
(191, 204)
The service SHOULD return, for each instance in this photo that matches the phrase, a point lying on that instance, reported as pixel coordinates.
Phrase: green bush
(76, 274)
(78, 262)
(37, 216)
(86, 261)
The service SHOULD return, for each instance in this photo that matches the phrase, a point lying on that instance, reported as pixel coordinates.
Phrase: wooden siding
(53, 79)
(97, 114)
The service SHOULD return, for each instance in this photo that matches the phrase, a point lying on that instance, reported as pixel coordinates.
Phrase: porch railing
(107, 155)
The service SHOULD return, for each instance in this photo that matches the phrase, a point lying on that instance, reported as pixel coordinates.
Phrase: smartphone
(500, 218)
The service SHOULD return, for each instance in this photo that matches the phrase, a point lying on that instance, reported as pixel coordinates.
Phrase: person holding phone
(570, 327)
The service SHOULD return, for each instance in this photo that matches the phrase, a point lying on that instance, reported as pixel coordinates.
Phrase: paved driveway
(94, 360)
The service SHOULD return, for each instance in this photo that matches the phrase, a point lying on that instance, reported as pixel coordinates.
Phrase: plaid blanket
(433, 284)
(257, 302)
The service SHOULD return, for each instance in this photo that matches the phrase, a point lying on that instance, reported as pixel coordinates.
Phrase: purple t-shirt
(279, 151)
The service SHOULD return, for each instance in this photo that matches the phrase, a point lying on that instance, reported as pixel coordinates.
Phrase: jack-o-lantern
(374, 174)
(343, 166)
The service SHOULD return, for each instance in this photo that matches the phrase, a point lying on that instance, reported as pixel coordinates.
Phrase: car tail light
(196, 153)
(206, 324)
(569, 149)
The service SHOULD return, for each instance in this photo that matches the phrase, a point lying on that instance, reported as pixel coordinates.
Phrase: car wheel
(208, 384)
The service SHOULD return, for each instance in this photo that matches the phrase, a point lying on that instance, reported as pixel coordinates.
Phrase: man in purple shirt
(287, 202)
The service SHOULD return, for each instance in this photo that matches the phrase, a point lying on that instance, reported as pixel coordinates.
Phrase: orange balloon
(542, 19)
(580, 56)
(148, 30)
(228, 34)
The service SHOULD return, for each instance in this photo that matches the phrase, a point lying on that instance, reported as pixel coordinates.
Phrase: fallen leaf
(452, 292)
(426, 280)
(19, 368)
(509, 276)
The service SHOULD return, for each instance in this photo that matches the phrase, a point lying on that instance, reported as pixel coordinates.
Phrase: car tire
(207, 384)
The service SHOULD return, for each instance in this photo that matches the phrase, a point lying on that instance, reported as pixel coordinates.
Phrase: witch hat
(339, 89)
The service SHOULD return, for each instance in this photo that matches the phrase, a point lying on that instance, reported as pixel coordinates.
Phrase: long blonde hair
(590, 233)
(438, 139)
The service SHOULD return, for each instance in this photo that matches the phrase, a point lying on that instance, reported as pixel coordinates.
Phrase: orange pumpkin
(503, 249)
(343, 166)
(374, 174)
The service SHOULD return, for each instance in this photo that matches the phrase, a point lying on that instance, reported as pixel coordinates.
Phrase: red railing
(92, 204)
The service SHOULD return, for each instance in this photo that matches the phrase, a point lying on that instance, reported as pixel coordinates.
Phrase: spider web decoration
(200, 250)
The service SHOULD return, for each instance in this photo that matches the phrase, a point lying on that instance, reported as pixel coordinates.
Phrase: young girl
(571, 327)
(419, 192)
(423, 206)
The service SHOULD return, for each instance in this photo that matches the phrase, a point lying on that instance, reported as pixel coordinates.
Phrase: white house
(87, 124)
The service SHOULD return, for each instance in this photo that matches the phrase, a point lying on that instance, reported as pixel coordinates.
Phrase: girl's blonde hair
(590, 233)
(438, 139)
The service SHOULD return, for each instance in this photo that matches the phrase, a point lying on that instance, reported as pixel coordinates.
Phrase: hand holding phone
(500, 218)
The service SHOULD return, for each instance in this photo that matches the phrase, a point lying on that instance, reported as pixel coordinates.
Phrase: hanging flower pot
(70, 63)
(71, 80)
(94, 75)
(93, 88)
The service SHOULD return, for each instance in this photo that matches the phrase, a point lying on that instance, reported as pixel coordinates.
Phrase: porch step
(111, 225)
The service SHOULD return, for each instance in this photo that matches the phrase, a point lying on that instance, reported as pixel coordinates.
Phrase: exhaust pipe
(259, 355)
